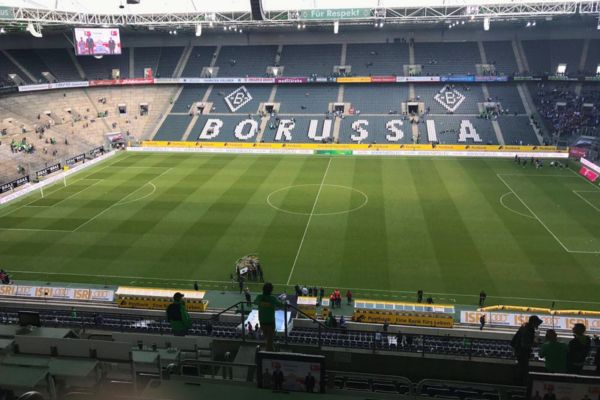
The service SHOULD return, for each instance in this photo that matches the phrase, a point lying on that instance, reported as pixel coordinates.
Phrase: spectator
(178, 316)
(309, 383)
(419, 296)
(522, 343)
(349, 297)
(386, 325)
(196, 286)
(481, 322)
(267, 303)
(554, 353)
(579, 348)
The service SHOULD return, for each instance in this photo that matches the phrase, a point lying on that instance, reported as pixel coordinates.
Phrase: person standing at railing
(267, 304)
(178, 316)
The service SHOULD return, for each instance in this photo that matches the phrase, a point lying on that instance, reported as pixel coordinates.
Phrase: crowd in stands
(566, 113)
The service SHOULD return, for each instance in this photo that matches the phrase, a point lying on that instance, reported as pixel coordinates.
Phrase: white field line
(586, 200)
(120, 201)
(76, 193)
(308, 222)
(510, 209)
(62, 187)
(587, 181)
(542, 222)
(163, 281)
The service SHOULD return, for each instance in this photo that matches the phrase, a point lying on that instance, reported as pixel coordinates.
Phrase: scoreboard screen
(97, 41)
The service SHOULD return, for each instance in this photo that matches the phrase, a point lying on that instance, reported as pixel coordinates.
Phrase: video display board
(97, 41)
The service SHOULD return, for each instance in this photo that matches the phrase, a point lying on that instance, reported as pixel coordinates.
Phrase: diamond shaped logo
(449, 98)
(238, 98)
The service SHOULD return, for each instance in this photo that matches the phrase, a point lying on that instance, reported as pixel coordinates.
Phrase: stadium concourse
(144, 151)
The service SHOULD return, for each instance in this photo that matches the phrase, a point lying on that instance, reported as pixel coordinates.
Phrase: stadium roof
(194, 6)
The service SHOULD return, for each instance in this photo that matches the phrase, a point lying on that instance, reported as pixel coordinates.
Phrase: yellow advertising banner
(317, 146)
(354, 79)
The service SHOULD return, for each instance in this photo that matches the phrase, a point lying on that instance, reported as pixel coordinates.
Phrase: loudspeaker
(257, 10)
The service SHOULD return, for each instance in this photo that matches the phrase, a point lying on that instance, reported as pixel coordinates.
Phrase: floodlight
(486, 24)
(198, 30)
(275, 71)
(336, 27)
(561, 69)
(598, 70)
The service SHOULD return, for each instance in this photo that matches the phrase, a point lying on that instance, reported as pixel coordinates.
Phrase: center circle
(302, 199)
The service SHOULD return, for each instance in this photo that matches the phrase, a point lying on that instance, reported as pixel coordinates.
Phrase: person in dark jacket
(579, 348)
(522, 344)
(178, 316)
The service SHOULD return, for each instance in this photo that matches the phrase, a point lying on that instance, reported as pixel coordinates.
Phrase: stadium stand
(145, 57)
(188, 96)
(471, 95)
(31, 62)
(7, 67)
(592, 60)
(544, 56)
(200, 57)
(501, 55)
(173, 127)
(59, 64)
(379, 99)
(377, 58)
(508, 97)
(518, 131)
(167, 61)
(95, 68)
(318, 59)
(259, 93)
(377, 128)
(447, 58)
(306, 99)
(245, 60)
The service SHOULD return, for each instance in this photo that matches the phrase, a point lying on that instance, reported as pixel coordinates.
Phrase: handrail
(227, 367)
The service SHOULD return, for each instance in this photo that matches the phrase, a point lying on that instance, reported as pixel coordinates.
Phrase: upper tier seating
(167, 61)
(593, 57)
(102, 68)
(447, 58)
(60, 64)
(502, 56)
(377, 58)
(145, 57)
(31, 62)
(245, 60)
(7, 67)
(303, 60)
(544, 56)
(200, 57)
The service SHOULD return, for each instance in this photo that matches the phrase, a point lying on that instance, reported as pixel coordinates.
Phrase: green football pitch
(384, 227)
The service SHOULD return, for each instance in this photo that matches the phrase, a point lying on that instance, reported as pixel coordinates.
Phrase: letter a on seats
(467, 131)
(211, 129)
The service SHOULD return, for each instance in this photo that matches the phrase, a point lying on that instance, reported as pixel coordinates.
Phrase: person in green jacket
(267, 303)
(554, 353)
(178, 316)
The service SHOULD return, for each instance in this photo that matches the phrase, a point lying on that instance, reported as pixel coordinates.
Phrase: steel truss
(500, 11)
